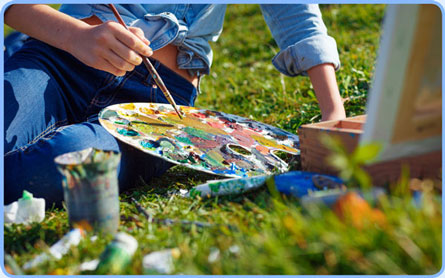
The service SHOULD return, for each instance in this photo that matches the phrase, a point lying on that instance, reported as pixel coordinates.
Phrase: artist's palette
(204, 140)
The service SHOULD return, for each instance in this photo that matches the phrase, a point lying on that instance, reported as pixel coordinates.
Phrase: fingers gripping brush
(151, 69)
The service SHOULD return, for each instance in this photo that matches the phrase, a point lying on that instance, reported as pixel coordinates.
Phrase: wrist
(73, 35)
(336, 112)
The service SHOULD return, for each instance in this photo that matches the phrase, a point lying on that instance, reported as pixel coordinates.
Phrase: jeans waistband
(164, 72)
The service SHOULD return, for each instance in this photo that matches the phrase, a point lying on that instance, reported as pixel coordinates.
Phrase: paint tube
(295, 183)
(89, 265)
(213, 255)
(160, 262)
(226, 187)
(25, 210)
(234, 249)
(90, 188)
(117, 254)
(59, 249)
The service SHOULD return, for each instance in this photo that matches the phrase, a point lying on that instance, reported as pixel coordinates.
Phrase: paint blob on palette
(209, 141)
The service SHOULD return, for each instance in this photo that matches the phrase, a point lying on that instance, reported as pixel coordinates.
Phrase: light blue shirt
(298, 30)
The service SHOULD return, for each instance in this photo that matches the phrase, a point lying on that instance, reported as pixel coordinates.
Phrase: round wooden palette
(209, 141)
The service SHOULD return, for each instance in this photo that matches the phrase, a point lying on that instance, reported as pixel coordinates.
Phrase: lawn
(273, 234)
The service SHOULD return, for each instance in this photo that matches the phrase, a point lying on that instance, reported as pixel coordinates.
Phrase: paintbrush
(151, 69)
(172, 221)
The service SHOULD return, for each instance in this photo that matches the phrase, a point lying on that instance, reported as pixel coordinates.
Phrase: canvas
(405, 102)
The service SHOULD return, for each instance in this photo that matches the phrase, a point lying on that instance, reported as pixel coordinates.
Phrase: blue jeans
(51, 106)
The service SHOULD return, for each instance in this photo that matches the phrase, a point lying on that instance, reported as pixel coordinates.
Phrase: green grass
(274, 235)
(243, 80)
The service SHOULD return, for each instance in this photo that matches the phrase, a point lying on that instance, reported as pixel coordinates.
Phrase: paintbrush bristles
(151, 69)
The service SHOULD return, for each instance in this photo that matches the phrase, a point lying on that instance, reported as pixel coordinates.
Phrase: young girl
(80, 60)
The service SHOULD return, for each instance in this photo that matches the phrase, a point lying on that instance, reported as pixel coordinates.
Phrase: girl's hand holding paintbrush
(107, 46)
(110, 47)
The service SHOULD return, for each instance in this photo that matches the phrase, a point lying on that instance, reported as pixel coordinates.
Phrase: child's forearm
(108, 46)
(44, 23)
(326, 90)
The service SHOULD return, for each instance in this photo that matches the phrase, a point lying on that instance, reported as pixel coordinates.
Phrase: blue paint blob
(234, 170)
(149, 144)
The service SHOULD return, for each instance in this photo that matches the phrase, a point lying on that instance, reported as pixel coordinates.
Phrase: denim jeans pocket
(107, 93)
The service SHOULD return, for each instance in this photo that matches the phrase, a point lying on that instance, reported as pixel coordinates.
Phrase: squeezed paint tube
(171, 221)
(90, 188)
(226, 187)
(60, 248)
(117, 254)
(295, 183)
(25, 210)
(159, 262)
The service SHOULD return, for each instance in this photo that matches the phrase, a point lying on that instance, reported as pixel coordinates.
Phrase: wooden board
(314, 153)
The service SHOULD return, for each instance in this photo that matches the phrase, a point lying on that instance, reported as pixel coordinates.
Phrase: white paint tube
(160, 262)
(226, 187)
(25, 210)
(59, 249)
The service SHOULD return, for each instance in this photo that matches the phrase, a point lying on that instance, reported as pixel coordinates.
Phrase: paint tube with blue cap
(295, 183)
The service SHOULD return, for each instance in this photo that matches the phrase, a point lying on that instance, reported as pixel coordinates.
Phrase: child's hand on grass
(336, 113)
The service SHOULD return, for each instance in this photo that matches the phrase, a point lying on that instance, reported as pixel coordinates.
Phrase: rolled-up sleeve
(302, 37)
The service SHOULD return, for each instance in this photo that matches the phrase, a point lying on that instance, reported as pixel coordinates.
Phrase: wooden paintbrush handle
(151, 69)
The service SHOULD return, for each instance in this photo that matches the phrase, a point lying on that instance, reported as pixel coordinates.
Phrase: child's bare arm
(107, 46)
(326, 90)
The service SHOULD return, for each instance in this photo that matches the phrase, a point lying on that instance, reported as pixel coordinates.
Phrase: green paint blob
(183, 160)
(184, 140)
(214, 159)
(215, 186)
(167, 146)
(26, 195)
(198, 133)
(194, 193)
(192, 160)
(142, 127)
(120, 122)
